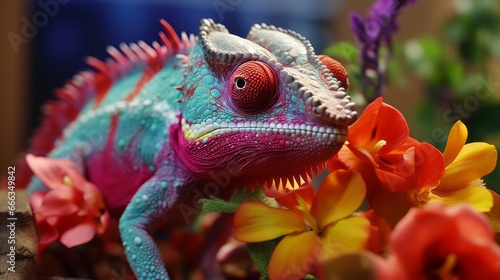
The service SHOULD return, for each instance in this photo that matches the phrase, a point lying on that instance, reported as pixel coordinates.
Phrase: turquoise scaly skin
(155, 128)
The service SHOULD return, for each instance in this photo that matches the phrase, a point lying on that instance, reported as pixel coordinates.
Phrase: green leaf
(261, 255)
(241, 195)
(214, 204)
(395, 73)
(425, 57)
(455, 73)
(345, 51)
(354, 72)
(210, 205)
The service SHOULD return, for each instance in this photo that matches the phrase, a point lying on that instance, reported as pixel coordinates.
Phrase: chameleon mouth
(205, 130)
(288, 182)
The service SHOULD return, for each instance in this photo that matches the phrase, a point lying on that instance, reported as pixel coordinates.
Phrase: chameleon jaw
(205, 130)
(289, 182)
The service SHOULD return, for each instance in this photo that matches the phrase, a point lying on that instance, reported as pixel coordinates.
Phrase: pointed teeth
(296, 180)
(309, 175)
(291, 181)
(269, 183)
(316, 170)
(278, 183)
(319, 168)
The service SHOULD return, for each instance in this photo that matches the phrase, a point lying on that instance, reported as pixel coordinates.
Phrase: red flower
(461, 182)
(435, 242)
(379, 147)
(72, 210)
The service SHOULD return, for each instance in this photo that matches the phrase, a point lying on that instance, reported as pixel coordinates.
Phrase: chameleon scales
(154, 123)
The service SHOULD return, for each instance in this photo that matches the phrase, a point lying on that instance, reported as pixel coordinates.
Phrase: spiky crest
(88, 84)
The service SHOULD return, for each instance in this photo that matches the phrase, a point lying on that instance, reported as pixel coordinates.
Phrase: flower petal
(347, 235)
(416, 232)
(60, 202)
(474, 225)
(340, 194)
(393, 181)
(477, 196)
(361, 265)
(494, 214)
(294, 257)
(103, 223)
(391, 206)
(93, 199)
(474, 161)
(429, 167)
(391, 127)
(413, 240)
(388, 269)
(379, 121)
(473, 254)
(456, 140)
(476, 246)
(50, 171)
(288, 198)
(361, 155)
(36, 200)
(360, 132)
(46, 233)
(380, 231)
(255, 221)
(78, 234)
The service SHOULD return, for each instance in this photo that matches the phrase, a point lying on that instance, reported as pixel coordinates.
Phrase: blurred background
(445, 56)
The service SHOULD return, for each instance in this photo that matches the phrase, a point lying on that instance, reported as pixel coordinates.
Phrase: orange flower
(379, 147)
(435, 242)
(461, 182)
(311, 231)
(72, 210)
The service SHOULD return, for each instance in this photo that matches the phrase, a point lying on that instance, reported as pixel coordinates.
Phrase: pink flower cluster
(71, 210)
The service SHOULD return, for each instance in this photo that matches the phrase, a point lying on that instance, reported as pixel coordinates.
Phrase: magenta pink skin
(116, 176)
(266, 156)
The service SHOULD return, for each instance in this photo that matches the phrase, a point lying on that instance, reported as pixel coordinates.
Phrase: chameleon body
(155, 125)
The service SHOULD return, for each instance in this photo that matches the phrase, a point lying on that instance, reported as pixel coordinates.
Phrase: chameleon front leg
(146, 210)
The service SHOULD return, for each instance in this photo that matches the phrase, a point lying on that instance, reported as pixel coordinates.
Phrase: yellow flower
(312, 231)
(465, 165)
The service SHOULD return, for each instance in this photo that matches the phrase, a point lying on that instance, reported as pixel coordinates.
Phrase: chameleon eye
(336, 68)
(252, 86)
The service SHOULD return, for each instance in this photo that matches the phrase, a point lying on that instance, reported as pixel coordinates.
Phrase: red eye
(336, 68)
(253, 86)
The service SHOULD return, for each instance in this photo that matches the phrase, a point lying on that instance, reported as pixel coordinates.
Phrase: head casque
(261, 108)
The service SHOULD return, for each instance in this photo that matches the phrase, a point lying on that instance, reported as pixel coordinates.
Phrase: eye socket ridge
(253, 86)
(336, 68)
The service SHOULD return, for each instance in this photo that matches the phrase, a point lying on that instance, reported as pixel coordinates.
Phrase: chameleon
(155, 125)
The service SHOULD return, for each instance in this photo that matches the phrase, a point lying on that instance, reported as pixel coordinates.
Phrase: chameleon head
(261, 108)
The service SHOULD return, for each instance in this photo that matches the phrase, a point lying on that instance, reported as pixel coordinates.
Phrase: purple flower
(370, 33)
